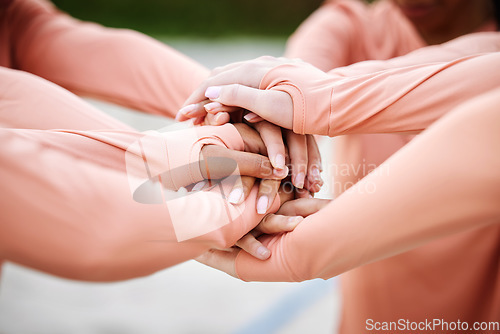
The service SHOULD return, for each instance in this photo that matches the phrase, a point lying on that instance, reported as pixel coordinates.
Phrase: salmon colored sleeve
(394, 100)
(445, 181)
(76, 218)
(173, 155)
(117, 65)
(343, 32)
(470, 44)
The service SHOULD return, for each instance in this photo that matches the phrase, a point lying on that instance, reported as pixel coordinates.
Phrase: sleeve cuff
(311, 92)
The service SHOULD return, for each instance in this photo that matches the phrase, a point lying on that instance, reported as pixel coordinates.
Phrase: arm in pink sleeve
(116, 65)
(324, 38)
(343, 32)
(73, 217)
(445, 181)
(394, 100)
(470, 44)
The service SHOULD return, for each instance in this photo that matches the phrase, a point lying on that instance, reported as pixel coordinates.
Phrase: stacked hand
(268, 150)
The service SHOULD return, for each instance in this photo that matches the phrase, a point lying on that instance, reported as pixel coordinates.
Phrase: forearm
(78, 219)
(470, 44)
(444, 182)
(405, 99)
(116, 65)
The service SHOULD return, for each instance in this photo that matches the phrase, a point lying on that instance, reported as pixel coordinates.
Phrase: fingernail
(263, 252)
(251, 117)
(293, 222)
(212, 105)
(235, 196)
(218, 118)
(281, 172)
(310, 195)
(212, 92)
(279, 161)
(187, 109)
(199, 186)
(262, 204)
(198, 121)
(299, 180)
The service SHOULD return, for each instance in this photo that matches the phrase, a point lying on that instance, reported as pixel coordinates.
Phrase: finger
(302, 207)
(217, 162)
(312, 187)
(219, 118)
(314, 164)
(273, 223)
(266, 194)
(254, 247)
(221, 260)
(233, 73)
(241, 189)
(192, 110)
(297, 149)
(273, 139)
(272, 105)
(286, 191)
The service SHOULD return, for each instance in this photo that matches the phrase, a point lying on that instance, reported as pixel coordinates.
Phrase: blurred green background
(190, 18)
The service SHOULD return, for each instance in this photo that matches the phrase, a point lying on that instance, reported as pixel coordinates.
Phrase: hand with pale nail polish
(235, 89)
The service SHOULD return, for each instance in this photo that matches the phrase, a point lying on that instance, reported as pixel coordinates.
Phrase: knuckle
(266, 58)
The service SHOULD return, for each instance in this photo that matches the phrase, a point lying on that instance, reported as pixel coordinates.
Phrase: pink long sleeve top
(441, 189)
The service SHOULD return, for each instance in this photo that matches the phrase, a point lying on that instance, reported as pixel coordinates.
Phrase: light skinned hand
(237, 85)
(301, 153)
(225, 260)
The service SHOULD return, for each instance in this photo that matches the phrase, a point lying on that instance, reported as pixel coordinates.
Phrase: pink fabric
(430, 279)
(116, 65)
(77, 218)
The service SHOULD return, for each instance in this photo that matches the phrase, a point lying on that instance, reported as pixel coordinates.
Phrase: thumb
(272, 105)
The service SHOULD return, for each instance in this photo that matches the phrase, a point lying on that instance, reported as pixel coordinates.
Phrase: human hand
(301, 153)
(225, 260)
(237, 85)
